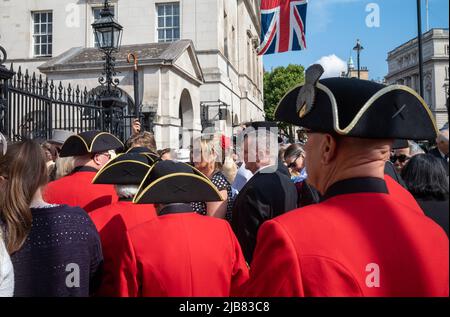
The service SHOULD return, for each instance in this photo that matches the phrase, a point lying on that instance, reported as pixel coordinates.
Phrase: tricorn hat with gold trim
(125, 169)
(89, 143)
(175, 182)
(357, 108)
(145, 151)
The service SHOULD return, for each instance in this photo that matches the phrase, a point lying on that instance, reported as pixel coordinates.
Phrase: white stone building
(195, 56)
(403, 69)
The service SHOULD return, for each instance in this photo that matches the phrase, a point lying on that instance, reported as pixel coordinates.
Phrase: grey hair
(415, 148)
(126, 191)
(442, 136)
(267, 139)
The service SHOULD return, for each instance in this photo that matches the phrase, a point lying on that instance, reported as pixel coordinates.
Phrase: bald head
(330, 159)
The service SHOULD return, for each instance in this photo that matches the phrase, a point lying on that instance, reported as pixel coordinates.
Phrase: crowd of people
(345, 211)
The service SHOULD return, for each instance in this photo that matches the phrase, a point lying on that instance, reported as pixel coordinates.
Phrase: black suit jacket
(435, 152)
(265, 196)
(436, 210)
(389, 169)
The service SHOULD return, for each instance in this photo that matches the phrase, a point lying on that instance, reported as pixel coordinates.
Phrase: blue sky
(334, 25)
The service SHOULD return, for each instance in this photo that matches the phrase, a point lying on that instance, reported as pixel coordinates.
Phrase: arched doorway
(186, 115)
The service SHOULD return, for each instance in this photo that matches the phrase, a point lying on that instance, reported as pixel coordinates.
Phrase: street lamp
(358, 48)
(108, 33)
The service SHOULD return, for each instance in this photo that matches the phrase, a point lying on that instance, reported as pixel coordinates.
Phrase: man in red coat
(180, 253)
(125, 172)
(90, 152)
(360, 240)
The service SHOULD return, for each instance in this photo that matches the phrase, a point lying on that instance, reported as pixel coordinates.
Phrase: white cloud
(332, 65)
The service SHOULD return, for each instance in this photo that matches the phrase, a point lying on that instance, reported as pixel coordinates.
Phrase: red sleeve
(120, 274)
(401, 194)
(275, 270)
(240, 273)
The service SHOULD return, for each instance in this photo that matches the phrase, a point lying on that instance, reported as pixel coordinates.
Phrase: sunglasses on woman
(402, 158)
(293, 164)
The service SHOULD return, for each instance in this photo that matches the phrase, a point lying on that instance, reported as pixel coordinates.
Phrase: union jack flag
(283, 26)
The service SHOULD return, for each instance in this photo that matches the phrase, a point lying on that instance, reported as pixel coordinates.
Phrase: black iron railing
(33, 107)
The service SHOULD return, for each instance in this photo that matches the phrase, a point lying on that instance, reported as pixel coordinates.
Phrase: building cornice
(412, 44)
(416, 66)
(29, 60)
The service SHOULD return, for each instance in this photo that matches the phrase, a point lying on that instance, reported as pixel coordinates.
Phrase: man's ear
(96, 159)
(328, 148)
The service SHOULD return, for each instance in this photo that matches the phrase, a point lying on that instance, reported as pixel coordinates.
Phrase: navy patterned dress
(219, 180)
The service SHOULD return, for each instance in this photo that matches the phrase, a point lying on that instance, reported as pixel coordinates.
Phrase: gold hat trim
(108, 166)
(366, 106)
(89, 148)
(137, 198)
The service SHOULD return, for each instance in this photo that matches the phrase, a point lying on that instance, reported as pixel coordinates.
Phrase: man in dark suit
(269, 193)
(441, 151)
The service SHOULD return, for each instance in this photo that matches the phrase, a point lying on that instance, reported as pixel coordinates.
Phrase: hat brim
(178, 188)
(76, 145)
(126, 172)
(141, 150)
(374, 116)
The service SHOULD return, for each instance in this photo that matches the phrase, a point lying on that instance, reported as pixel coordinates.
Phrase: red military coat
(401, 194)
(112, 222)
(77, 189)
(182, 255)
(360, 241)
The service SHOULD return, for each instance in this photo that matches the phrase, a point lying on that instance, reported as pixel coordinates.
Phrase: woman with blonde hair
(63, 166)
(55, 249)
(212, 155)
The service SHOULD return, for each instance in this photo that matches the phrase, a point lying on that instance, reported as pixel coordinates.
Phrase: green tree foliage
(277, 83)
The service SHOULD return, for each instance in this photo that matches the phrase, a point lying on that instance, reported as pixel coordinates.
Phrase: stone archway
(186, 115)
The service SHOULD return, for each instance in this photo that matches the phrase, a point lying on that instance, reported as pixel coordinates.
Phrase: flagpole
(419, 38)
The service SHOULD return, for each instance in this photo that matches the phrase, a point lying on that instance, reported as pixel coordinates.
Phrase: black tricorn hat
(89, 142)
(143, 150)
(175, 182)
(400, 144)
(357, 108)
(125, 169)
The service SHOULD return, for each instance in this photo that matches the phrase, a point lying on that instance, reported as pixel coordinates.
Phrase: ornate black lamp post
(358, 48)
(108, 33)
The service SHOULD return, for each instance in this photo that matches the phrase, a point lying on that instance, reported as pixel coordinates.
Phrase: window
(42, 33)
(446, 73)
(96, 14)
(447, 50)
(168, 22)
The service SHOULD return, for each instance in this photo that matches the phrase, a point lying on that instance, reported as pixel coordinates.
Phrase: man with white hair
(269, 193)
(441, 150)
(91, 151)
